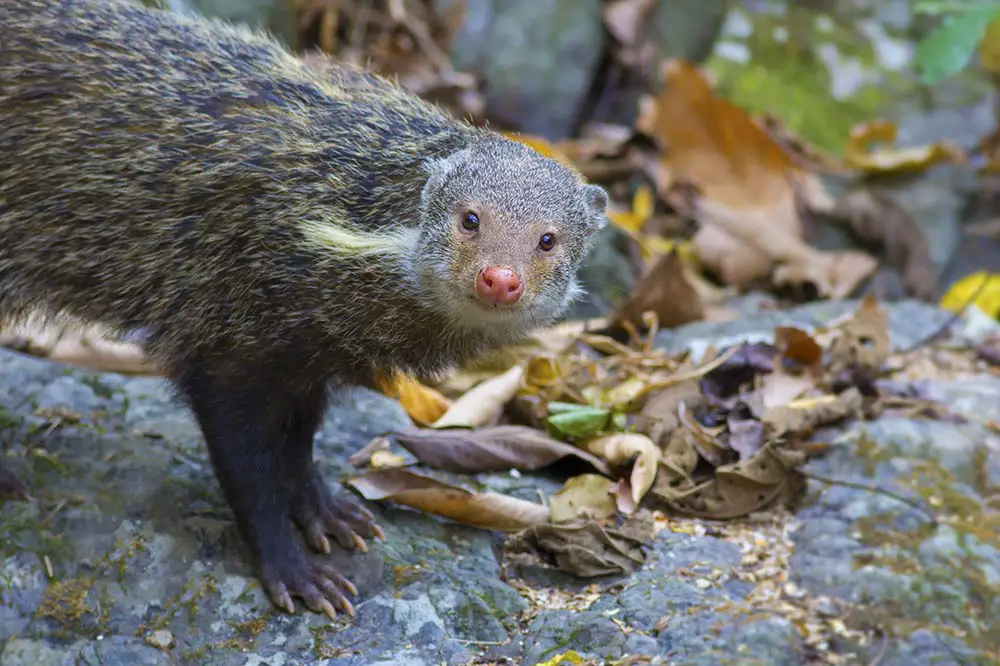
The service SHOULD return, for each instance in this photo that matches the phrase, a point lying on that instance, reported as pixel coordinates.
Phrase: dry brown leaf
(483, 404)
(878, 222)
(665, 290)
(586, 548)
(834, 274)
(802, 417)
(658, 416)
(780, 388)
(703, 439)
(712, 144)
(679, 461)
(424, 404)
(858, 153)
(584, 497)
(79, 345)
(623, 448)
(863, 341)
(491, 511)
(490, 449)
(762, 481)
(797, 345)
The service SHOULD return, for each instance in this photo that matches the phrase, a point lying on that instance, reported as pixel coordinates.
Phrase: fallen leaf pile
(631, 430)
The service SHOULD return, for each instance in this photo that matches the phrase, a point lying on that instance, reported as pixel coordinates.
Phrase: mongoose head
(503, 232)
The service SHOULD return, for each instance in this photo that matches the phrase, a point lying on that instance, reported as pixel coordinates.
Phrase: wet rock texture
(129, 556)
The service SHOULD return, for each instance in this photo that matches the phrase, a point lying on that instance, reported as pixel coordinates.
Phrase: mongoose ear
(439, 170)
(597, 200)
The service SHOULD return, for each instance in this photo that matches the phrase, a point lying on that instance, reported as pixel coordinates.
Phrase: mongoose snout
(499, 285)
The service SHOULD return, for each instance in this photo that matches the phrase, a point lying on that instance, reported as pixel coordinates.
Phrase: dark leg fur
(313, 508)
(248, 431)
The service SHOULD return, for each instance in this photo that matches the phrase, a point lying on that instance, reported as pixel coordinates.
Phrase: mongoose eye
(470, 221)
(547, 242)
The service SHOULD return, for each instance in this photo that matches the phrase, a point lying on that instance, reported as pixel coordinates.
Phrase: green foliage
(580, 421)
(950, 47)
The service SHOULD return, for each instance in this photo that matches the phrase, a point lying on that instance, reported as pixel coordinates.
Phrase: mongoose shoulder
(266, 223)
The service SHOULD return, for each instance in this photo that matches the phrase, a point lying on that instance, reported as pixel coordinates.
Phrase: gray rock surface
(608, 276)
(129, 556)
(537, 59)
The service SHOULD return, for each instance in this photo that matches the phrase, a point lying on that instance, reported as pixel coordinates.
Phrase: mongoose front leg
(244, 428)
(314, 509)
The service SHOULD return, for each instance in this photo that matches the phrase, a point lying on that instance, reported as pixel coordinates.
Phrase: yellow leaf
(988, 299)
(484, 403)
(642, 202)
(652, 247)
(642, 209)
(422, 403)
(541, 145)
(989, 48)
(572, 657)
(858, 153)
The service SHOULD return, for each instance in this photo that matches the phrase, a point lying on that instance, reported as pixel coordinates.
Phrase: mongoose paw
(318, 584)
(319, 515)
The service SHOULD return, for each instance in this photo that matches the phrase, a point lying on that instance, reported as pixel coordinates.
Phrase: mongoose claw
(319, 515)
(318, 584)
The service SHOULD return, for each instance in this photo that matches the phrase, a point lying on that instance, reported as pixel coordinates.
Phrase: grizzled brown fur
(263, 224)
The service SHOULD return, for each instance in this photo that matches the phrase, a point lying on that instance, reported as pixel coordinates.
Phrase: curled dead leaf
(858, 153)
(623, 448)
(484, 403)
(586, 548)
(422, 403)
(491, 511)
(766, 479)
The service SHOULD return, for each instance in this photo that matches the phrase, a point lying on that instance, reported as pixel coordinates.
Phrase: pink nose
(499, 285)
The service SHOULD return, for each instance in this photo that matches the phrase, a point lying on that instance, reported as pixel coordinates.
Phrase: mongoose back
(275, 230)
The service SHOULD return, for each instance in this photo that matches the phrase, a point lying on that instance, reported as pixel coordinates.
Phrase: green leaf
(938, 7)
(579, 421)
(950, 47)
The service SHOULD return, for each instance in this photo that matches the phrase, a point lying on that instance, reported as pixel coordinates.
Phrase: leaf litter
(635, 433)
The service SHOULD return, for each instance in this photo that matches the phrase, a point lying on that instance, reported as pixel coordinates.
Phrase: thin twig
(881, 650)
(873, 489)
(955, 316)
